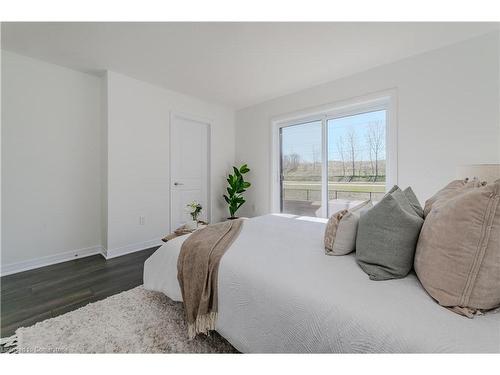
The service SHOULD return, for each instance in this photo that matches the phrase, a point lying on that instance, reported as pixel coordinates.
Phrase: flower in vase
(194, 209)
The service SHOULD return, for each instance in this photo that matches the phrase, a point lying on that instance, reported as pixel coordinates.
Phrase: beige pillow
(458, 252)
(341, 229)
(449, 191)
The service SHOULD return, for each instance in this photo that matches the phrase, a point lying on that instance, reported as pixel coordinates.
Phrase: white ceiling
(235, 64)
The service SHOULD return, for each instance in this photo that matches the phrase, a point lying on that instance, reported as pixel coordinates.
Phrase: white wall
(448, 115)
(83, 157)
(138, 158)
(104, 163)
(50, 162)
(1, 58)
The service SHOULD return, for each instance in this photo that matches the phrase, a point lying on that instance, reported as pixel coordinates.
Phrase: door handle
(178, 183)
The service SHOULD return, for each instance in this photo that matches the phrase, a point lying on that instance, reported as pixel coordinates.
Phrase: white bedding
(279, 292)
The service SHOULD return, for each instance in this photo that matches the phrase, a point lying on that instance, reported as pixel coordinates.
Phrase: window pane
(301, 169)
(356, 159)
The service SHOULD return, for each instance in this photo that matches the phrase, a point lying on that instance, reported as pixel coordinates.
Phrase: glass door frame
(386, 100)
(324, 157)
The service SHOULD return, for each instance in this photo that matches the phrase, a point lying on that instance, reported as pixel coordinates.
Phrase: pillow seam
(481, 250)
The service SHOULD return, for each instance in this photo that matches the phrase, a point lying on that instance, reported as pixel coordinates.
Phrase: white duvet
(279, 292)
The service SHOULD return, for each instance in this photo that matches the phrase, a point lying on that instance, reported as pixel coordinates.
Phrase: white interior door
(189, 168)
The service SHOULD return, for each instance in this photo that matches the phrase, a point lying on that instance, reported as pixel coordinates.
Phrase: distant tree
(352, 146)
(376, 142)
(315, 154)
(341, 150)
(291, 162)
(369, 142)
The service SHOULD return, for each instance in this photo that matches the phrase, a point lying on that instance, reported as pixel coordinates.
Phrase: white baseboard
(8, 269)
(119, 251)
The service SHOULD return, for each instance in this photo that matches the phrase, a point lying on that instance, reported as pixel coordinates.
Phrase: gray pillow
(412, 198)
(387, 237)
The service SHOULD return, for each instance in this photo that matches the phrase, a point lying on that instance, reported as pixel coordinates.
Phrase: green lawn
(358, 187)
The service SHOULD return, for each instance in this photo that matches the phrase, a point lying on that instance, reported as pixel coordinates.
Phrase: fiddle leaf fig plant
(237, 186)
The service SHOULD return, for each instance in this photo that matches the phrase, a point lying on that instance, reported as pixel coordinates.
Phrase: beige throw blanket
(197, 270)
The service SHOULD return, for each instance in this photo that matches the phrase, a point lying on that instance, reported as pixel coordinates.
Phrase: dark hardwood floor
(32, 296)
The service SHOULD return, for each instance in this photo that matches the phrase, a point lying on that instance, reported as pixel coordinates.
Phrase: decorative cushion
(458, 253)
(387, 237)
(412, 198)
(449, 191)
(341, 229)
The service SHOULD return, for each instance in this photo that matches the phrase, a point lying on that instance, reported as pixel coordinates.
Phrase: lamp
(483, 172)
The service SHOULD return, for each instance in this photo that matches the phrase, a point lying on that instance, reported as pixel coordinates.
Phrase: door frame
(208, 122)
(385, 99)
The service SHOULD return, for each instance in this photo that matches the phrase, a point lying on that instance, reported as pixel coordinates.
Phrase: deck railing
(312, 192)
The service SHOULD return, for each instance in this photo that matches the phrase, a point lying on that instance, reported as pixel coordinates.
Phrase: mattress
(279, 292)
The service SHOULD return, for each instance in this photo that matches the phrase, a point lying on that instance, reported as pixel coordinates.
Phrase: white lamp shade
(483, 172)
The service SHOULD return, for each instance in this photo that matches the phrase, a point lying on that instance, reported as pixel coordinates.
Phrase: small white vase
(192, 225)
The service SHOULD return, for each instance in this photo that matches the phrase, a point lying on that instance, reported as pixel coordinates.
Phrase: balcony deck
(312, 208)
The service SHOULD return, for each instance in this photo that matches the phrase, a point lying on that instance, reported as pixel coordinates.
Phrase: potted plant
(237, 186)
(194, 209)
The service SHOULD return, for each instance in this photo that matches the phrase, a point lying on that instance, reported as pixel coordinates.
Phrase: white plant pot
(192, 225)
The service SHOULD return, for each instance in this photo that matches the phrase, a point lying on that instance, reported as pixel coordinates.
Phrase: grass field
(348, 187)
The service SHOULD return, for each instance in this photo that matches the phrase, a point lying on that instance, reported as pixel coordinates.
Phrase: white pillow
(341, 229)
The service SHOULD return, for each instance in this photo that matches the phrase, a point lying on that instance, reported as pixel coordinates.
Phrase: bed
(279, 292)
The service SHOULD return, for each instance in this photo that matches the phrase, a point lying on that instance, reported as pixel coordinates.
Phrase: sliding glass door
(356, 159)
(333, 163)
(301, 169)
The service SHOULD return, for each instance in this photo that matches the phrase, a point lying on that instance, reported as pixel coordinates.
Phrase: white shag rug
(135, 321)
